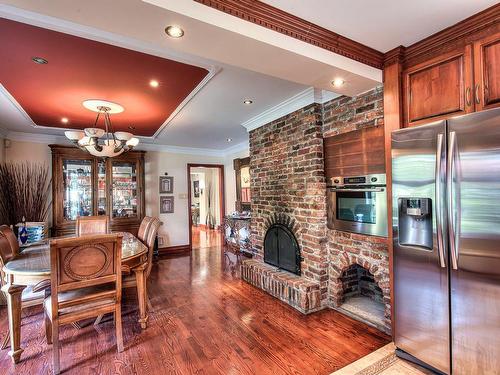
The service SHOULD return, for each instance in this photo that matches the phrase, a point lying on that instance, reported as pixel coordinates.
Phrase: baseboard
(179, 249)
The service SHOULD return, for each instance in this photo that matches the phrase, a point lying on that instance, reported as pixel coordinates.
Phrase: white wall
(230, 179)
(175, 228)
(28, 151)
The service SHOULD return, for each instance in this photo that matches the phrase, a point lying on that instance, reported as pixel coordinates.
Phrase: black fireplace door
(281, 248)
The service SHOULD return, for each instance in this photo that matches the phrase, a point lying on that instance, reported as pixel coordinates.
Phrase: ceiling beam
(285, 23)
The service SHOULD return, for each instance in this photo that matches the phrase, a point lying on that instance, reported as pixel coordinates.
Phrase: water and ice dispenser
(415, 222)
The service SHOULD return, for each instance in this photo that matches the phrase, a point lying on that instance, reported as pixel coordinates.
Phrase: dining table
(32, 267)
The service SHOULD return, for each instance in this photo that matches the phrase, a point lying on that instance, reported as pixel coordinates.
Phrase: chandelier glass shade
(99, 142)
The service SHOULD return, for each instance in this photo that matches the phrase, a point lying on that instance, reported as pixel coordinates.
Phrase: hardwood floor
(205, 321)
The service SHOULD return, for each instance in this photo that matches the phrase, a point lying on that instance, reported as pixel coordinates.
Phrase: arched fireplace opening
(281, 248)
(362, 298)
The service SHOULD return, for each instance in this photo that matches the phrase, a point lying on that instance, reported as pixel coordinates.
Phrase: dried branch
(24, 192)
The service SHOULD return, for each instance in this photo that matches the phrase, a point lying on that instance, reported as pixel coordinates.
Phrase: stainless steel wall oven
(358, 204)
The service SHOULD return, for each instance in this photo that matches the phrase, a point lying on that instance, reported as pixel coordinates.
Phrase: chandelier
(105, 142)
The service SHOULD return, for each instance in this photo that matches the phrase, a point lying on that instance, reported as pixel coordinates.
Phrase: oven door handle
(375, 190)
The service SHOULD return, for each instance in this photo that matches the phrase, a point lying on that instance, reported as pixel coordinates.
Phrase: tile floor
(382, 362)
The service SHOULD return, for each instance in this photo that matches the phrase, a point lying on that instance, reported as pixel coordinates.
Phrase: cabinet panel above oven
(358, 152)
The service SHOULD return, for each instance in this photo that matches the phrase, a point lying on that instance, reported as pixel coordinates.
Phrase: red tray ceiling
(80, 69)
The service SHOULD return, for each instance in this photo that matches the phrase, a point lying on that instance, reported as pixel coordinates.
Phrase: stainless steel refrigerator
(446, 226)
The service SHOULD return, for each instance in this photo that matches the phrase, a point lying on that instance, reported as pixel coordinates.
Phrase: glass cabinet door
(124, 180)
(101, 188)
(77, 188)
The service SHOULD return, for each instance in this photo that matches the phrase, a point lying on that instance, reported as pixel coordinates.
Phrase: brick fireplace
(288, 181)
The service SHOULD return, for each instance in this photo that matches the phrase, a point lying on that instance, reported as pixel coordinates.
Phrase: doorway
(206, 206)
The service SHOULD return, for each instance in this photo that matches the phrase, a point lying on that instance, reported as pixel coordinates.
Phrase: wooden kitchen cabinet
(487, 72)
(84, 185)
(453, 83)
(439, 87)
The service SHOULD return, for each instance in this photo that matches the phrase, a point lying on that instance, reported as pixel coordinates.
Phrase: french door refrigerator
(446, 226)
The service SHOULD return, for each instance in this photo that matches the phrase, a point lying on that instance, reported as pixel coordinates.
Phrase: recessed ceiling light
(154, 83)
(174, 31)
(338, 82)
(39, 60)
(229, 139)
(247, 101)
(64, 120)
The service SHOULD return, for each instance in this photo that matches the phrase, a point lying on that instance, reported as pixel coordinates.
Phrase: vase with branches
(24, 192)
(210, 219)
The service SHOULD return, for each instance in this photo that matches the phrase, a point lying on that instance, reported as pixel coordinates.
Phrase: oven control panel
(371, 179)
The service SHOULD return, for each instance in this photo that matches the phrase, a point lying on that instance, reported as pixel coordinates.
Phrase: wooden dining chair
(9, 234)
(129, 280)
(92, 225)
(142, 234)
(31, 295)
(86, 282)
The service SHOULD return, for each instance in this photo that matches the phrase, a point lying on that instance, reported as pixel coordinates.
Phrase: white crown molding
(56, 139)
(87, 32)
(180, 150)
(239, 147)
(36, 138)
(296, 102)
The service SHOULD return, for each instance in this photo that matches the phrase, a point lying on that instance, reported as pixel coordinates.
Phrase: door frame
(221, 194)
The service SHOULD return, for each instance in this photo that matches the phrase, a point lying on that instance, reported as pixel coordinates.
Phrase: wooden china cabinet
(84, 185)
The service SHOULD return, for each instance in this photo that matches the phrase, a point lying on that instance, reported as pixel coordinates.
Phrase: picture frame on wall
(166, 184)
(167, 205)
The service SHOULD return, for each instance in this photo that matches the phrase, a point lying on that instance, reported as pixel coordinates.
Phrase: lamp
(102, 142)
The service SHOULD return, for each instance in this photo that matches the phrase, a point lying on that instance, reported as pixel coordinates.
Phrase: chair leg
(55, 348)
(6, 341)
(118, 327)
(150, 305)
(48, 330)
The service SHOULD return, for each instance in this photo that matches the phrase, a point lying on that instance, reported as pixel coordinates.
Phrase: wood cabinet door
(487, 72)
(439, 88)
(355, 153)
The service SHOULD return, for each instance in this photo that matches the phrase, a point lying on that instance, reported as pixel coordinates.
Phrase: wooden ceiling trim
(285, 23)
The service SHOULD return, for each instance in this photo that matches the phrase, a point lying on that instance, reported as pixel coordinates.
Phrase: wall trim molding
(292, 104)
(275, 19)
(56, 139)
(174, 250)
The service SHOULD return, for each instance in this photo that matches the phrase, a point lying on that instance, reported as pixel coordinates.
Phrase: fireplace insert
(281, 248)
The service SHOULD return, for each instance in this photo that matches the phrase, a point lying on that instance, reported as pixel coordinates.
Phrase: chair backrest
(142, 234)
(150, 242)
(92, 225)
(5, 254)
(82, 262)
(11, 237)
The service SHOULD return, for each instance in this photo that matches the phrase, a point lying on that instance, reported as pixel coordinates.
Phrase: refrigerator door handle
(439, 203)
(450, 170)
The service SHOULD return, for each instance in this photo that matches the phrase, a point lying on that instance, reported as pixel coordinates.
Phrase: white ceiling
(251, 61)
(383, 24)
